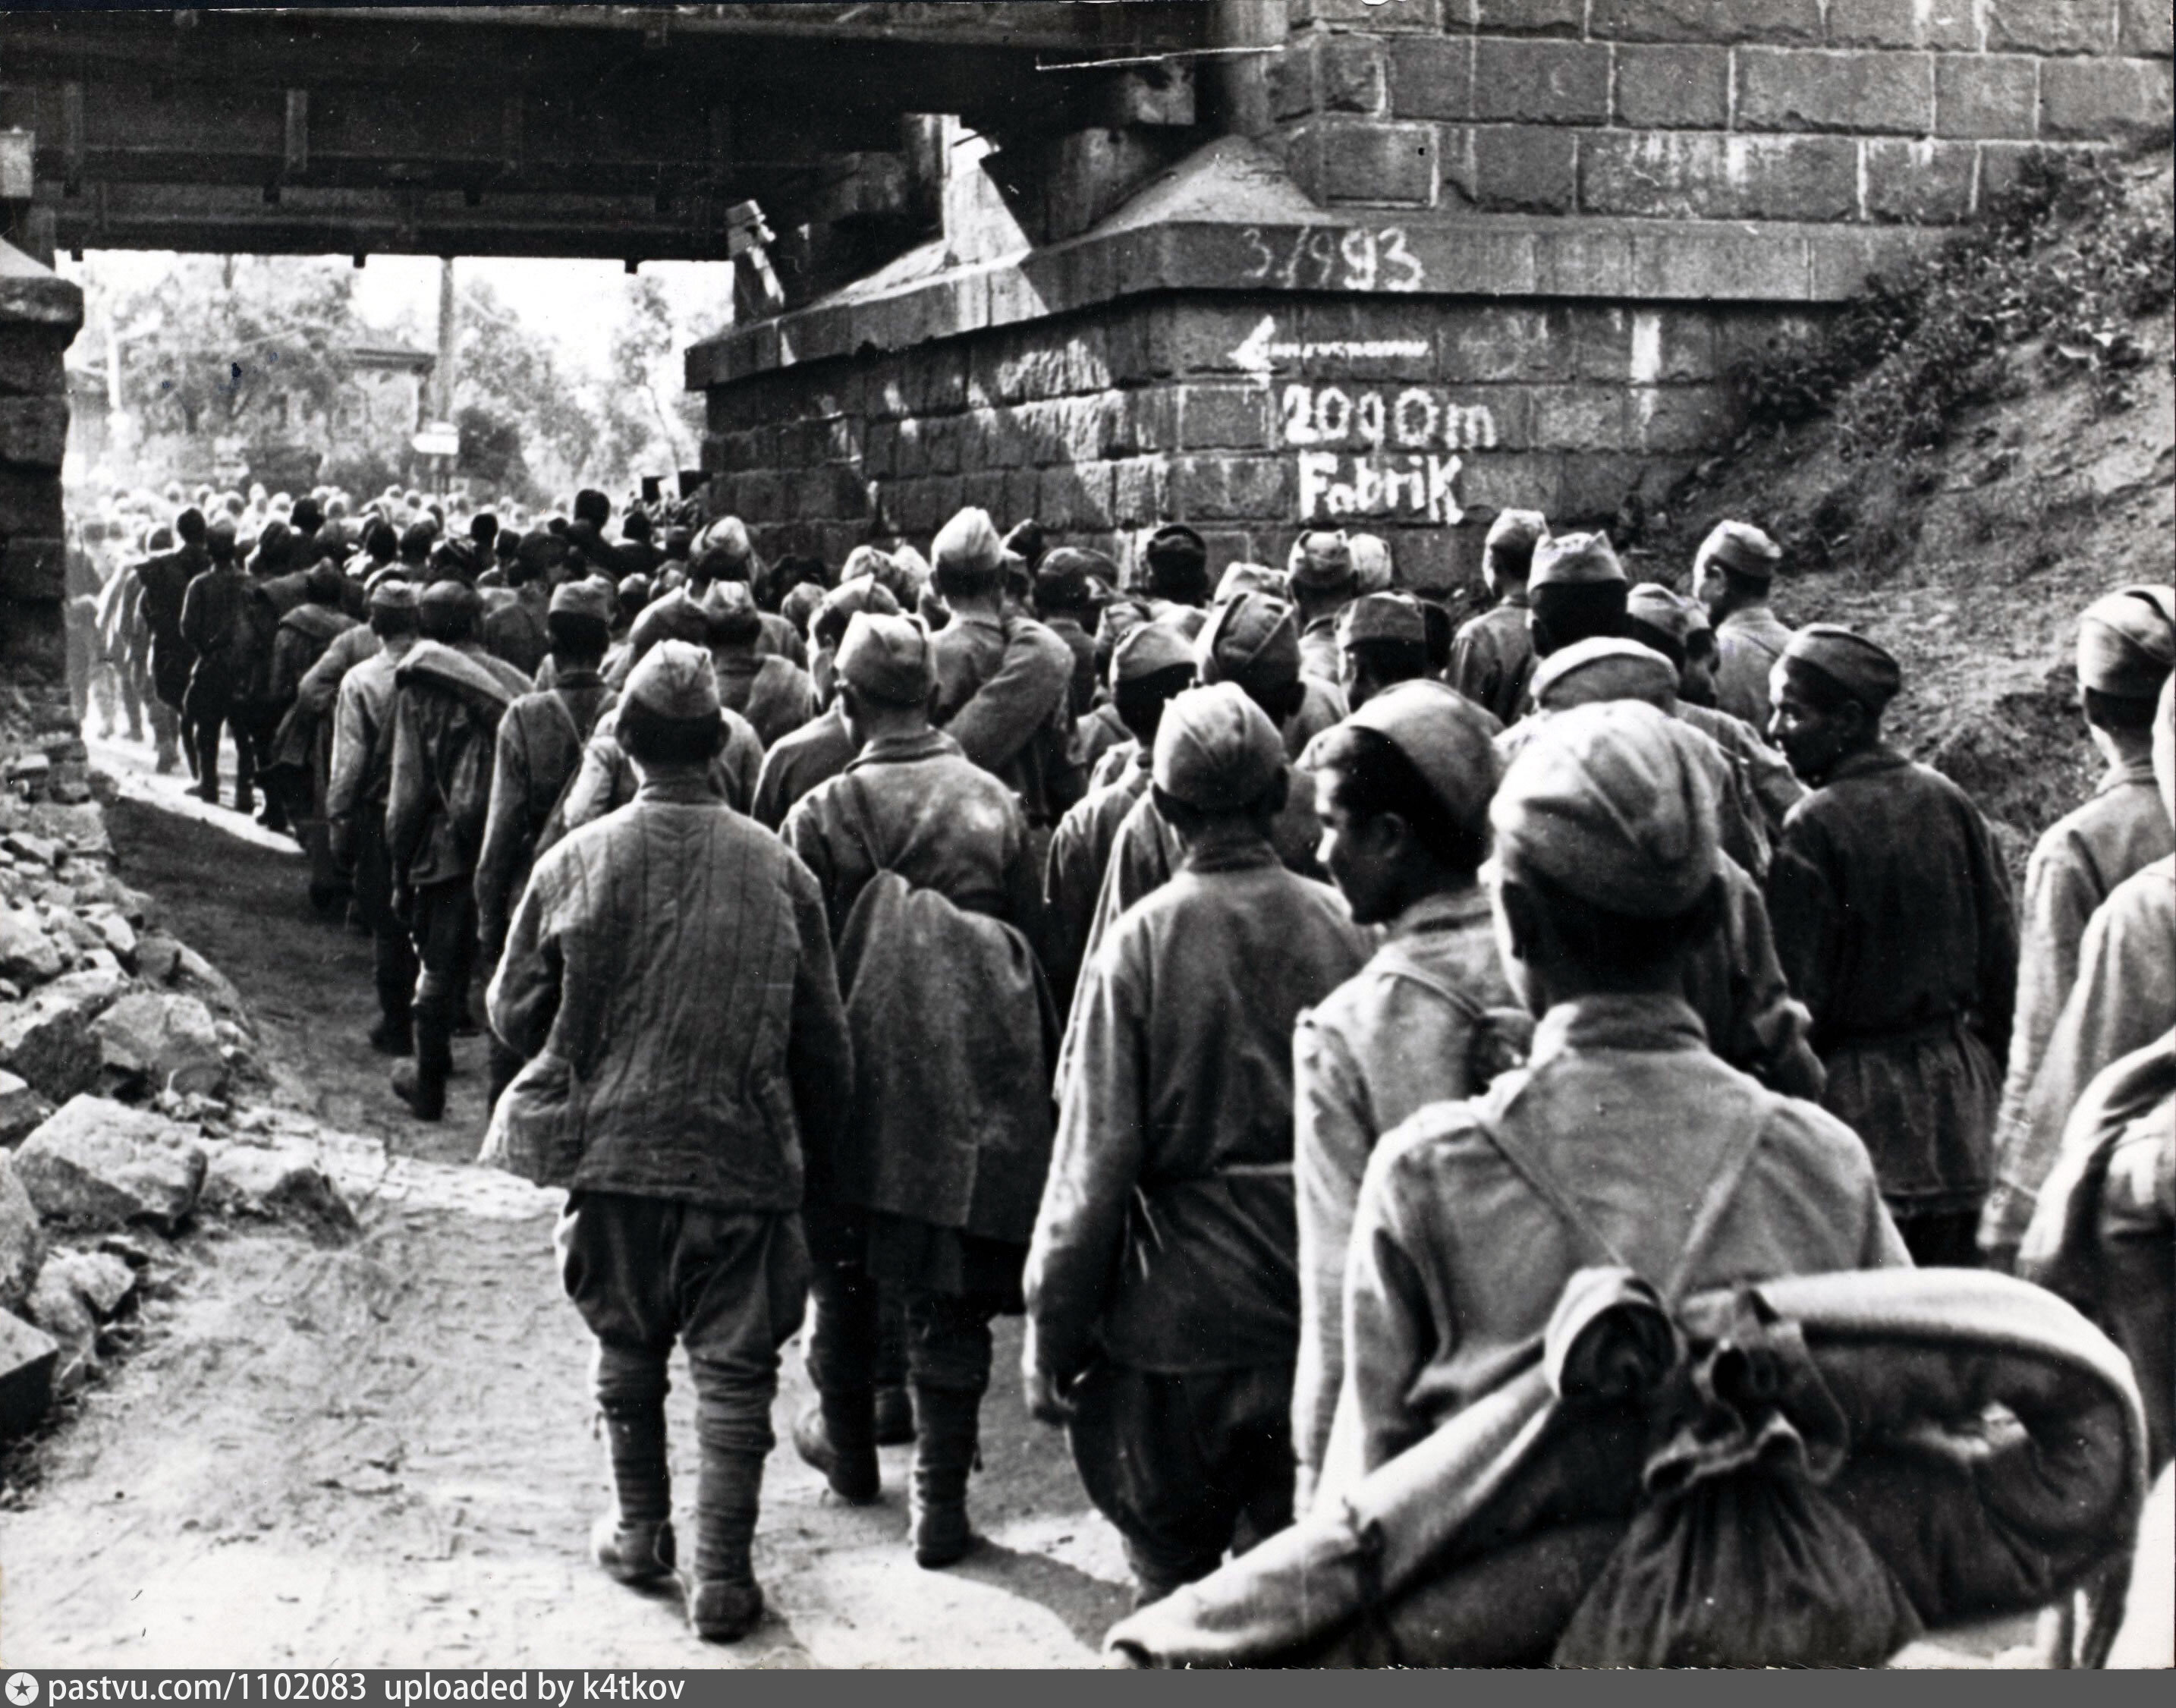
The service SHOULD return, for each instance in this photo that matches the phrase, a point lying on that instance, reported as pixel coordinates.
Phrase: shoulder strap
(1400, 964)
(1721, 1192)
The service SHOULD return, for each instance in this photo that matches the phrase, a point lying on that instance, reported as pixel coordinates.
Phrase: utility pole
(449, 335)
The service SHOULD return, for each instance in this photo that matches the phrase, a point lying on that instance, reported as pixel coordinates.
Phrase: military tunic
(1491, 658)
(1747, 643)
(1894, 921)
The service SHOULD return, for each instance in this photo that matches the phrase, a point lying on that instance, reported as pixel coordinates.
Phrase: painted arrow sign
(1261, 350)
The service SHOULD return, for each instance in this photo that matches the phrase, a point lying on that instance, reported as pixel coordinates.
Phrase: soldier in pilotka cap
(2126, 643)
(1150, 667)
(668, 977)
(1402, 788)
(1731, 573)
(448, 697)
(539, 749)
(820, 749)
(1895, 925)
(1324, 582)
(932, 893)
(1493, 654)
(1004, 682)
(1382, 640)
(1163, 1305)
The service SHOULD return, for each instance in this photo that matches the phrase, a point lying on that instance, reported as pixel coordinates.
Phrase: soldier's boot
(945, 1425)
(725, 1602)
(895, 1415)
(894, 1407)
(421, 1083)
(837, 1435)
(634, 1543)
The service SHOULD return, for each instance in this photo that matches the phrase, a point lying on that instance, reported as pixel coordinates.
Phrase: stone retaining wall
(39, 315)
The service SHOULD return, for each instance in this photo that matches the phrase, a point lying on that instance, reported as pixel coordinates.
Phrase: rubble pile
(122, 1052)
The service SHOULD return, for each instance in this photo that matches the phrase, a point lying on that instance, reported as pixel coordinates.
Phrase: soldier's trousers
(948, 1335)
(394, 968)
(444, 927)
(730, 1288)
(1185, 1466)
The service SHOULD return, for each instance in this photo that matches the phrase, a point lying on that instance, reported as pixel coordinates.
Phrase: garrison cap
(1612, 804)
(887, 659)
(589, 597)
(635, 586)
(1444, 736)
(856, 596)
(1321, 562)
(800, 604)
(1383, 616)
(674, 680)
(391, 592)
(1252, 635)
(1068, 575)
(1217, 750)
(1371, 563)
(2127, 641)
(449, 596)
(1740, 547)
(1604, 668)
(1575, 560)
(969, 541)
(675, 616)
(1515, 528)
(1665, 612)
(1863, 669)
(1252, 577)
(1148, 648)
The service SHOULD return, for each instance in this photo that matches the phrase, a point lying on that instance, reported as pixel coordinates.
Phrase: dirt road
(382, 1455)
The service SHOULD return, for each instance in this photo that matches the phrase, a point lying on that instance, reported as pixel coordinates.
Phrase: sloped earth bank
(381, 1454)
(1972, 564)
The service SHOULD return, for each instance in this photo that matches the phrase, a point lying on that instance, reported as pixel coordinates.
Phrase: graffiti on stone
(1390, 452)
(1334, 258)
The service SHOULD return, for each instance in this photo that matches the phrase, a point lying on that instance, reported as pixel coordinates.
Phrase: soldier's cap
(1383, 616)
(1444, 736)
(2127, 641)
(1252, 636)
(674, 679)
(538, 552)
(866, 560)
(1252, 577)
(1217, 750)
(730, 608)
(323, 580)
(1575, 560)
(221, 534)
(1371, 563)
(1665, 611)
(1175, 541)
(1514, 529)
(449, 596)
(800, 604)
(589, 597)
(675, 616)
(635, 586)
(457, 557)
(1148, 648)
(969, 542)
(1863, 669)
(390, 591)
(728, 536)
(1605, 668)
(887, 658)
(1068, 574)
(861, 594)
(1321, 562)
(1611, 803)
(911, 563)
(679, 540)
(1738, 546)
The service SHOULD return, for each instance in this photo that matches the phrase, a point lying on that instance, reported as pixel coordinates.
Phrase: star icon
(22, 1690)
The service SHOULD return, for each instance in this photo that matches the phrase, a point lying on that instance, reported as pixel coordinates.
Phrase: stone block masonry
(39, 315)
(1646, 108)
(1469, 254)
(1415, 420)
